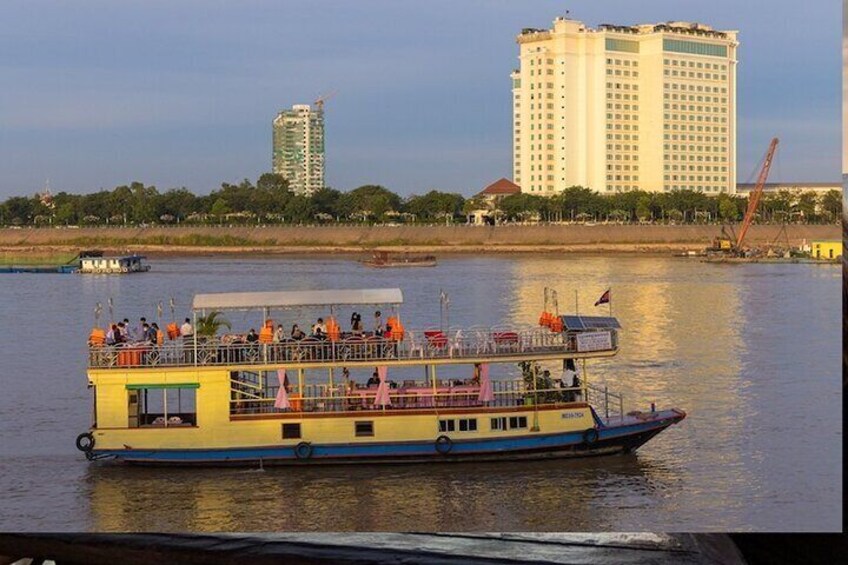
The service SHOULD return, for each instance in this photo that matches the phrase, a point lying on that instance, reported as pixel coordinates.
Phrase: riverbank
(357, 239)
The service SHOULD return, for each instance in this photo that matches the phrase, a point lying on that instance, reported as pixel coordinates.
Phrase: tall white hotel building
(649, 107)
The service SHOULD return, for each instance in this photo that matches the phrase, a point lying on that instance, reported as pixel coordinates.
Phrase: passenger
(127, 331)
(374, 380)
(141, 331)
(154, 328)
(279, 334)
(146, 334)
(378, 323)
(575, 383)
(187, 331)
(356, 324)
(319, 330)
(252, 337)
(122, 333)
(113, 336)
(297, 333)
(475, 377)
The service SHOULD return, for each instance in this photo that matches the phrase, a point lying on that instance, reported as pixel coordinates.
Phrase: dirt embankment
(461, 238)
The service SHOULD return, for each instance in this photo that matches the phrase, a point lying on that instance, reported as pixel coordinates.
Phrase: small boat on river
(218, 400)
(384, 259)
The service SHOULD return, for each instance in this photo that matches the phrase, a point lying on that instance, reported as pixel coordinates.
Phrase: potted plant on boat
(208, 325)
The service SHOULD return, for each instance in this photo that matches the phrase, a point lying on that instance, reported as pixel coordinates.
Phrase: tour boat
(209, 400)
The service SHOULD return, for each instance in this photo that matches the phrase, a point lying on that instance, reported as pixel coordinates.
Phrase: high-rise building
(298, 148)
(647, 107)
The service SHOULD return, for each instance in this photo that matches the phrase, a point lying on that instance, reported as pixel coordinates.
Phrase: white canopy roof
(292, 298)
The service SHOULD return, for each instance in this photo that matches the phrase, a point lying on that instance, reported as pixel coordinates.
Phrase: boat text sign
(595, 341)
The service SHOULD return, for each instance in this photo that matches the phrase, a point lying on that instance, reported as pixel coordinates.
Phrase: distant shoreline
(459, 239)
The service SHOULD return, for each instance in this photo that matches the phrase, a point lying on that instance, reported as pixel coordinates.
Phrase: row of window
(634, 107)
(625, 72)
(634, 117)
(620, 96)
(365, 428)
(624, 62)
(623, 177)
(694, 64)
(675, 127)
(622, 86)
(700, 178)
(693, 87)
(693, 74)
(626, 127)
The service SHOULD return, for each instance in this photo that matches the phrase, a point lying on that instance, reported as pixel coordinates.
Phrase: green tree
(831, 203)
(727, 209)
(220, 207)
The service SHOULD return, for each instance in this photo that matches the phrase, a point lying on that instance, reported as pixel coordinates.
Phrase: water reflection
(548, 495)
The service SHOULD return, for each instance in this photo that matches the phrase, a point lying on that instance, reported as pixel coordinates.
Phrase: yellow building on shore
(618, 108)
(826, 249)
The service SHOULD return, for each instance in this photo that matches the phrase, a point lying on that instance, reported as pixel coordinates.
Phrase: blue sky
(182, 93)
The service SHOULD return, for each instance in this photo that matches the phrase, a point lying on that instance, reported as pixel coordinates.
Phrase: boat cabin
(113, 265)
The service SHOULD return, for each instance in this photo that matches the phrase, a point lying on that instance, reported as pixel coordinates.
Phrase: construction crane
(756, 194)
(319, 102)
(733, 244)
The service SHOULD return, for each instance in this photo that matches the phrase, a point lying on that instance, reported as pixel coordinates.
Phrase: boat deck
(416, 348)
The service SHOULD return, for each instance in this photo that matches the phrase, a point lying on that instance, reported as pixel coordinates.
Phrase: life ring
(590, 436)
(85, 442)
(98, 270)
(444, 444)
(303, 450)
(125, 270)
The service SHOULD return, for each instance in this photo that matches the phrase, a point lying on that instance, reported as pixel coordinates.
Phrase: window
(364, 429)
(511, 423)
(468, 425)
(171, 405)
(447, 425)
(291, 431)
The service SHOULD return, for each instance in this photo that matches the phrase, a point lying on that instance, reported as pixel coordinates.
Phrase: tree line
(269, 201)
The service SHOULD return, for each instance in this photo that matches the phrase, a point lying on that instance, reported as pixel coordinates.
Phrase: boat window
(468, 425)
(364, 428)
(447, 425)
(162, 405)
(517, 422)
(291, 431)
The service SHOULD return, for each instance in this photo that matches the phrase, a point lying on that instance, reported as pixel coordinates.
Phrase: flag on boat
(604, 299)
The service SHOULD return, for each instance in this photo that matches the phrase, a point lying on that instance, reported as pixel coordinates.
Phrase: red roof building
(501, 187)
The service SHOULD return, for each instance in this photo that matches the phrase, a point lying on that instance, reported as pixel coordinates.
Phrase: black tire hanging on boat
(444, 444)
(303, 450)
(590, 436)
(85, 446)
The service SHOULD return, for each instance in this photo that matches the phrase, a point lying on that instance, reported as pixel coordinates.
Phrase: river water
(751, 352)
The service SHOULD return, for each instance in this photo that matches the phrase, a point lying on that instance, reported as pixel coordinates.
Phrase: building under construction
(298, 147)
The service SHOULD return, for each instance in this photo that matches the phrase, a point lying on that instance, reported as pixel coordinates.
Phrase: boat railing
(415, 345)
(338, 398)
(610, 403)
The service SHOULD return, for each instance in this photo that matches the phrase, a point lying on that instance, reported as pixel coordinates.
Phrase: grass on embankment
(35, 258)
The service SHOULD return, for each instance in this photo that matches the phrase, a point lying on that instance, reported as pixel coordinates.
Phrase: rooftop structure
(618, 108)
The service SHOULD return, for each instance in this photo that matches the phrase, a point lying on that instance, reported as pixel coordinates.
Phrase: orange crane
(319, 102)
(756, 194)
(730, 243)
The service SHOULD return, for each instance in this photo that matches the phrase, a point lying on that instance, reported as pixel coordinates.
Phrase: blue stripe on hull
(610, 440)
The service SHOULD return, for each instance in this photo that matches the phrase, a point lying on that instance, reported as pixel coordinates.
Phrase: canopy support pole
(194, 335)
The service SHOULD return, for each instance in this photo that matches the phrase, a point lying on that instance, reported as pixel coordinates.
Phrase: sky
(176, 93)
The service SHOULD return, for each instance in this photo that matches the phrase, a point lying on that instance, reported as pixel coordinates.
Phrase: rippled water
(751, 352)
